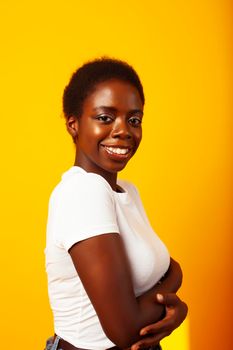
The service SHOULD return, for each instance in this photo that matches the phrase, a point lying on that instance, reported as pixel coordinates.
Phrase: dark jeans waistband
(57, 343)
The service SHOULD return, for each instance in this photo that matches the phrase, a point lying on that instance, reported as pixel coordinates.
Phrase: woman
(106, 267)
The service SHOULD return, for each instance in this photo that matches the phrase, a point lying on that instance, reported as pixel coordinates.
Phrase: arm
(175, 309)
(170, 283)
(176, 312)
(102, 265)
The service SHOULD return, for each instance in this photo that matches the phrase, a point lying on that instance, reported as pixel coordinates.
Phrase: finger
(174, 317)
(165, 324)
(153, 328)
(169, 299)
(149, 341)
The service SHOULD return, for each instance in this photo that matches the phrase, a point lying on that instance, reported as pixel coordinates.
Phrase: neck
(111, 178)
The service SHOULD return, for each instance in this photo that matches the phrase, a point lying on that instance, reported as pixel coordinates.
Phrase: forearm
(108, 278)
(151, 311)
(148, 309)
(172, 280)
(170, 283)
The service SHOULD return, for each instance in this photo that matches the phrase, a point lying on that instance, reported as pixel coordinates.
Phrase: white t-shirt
(83, 205)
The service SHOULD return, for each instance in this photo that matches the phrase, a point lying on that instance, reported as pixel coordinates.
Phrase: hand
(176, 311)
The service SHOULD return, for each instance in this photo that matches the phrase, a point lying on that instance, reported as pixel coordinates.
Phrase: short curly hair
(85, 79)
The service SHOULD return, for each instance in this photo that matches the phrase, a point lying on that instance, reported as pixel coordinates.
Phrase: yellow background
(181, 50)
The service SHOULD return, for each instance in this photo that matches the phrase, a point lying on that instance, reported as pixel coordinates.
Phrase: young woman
(111, 280)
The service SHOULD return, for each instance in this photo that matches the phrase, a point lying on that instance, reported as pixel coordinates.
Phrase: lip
(117, 146)
(116, 156)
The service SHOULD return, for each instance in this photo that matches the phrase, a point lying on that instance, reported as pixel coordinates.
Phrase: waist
(57, 343)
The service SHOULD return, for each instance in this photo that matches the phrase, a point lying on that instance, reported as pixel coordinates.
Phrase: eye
(104, 118)
(135, 121)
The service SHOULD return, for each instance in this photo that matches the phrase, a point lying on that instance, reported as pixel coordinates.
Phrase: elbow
(123, 336)
(176, 271)
(180, 279)
(123, 342)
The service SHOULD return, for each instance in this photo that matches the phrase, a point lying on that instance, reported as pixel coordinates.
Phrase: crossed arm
(175, 309)
(102, 265)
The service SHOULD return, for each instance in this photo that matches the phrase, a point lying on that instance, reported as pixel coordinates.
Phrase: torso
(75, 318)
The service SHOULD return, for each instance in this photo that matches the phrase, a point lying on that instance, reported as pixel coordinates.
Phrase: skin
(112, 117)
(107, 122)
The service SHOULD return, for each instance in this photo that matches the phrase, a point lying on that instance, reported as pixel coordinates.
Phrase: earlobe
(72, 126)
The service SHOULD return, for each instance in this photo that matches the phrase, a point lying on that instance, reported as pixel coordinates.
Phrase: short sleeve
(81, 207)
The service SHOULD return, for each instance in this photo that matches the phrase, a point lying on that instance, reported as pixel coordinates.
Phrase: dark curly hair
(85, 79)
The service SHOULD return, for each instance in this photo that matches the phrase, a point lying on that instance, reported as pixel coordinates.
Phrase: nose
(121, 129)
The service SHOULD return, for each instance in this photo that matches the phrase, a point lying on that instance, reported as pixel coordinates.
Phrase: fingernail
(159, 297)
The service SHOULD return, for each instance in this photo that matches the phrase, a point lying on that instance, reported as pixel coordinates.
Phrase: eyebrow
(114, 109)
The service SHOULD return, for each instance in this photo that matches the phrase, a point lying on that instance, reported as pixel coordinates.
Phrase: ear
(72, 126)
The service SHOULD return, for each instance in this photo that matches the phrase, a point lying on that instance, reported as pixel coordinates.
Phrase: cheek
(93, 129)
(97, 130)
(89, 133)
(138, 136)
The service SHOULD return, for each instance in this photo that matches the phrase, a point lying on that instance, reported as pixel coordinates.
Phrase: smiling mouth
(117, 150)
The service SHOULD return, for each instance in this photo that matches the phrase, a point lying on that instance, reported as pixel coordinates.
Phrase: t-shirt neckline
(121, 194)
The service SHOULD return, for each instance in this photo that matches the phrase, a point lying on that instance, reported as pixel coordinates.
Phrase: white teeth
(117, 150)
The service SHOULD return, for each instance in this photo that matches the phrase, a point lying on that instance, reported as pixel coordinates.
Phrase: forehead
(114, 93)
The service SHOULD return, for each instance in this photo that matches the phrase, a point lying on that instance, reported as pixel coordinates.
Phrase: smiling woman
(109, 131)
(111, 280)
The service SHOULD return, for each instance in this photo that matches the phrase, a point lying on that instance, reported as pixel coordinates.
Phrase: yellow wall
(182, 52)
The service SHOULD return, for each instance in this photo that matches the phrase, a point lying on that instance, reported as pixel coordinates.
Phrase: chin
(116, 168)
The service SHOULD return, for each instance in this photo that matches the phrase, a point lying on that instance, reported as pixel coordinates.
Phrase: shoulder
(81, 206)
(77, 183)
